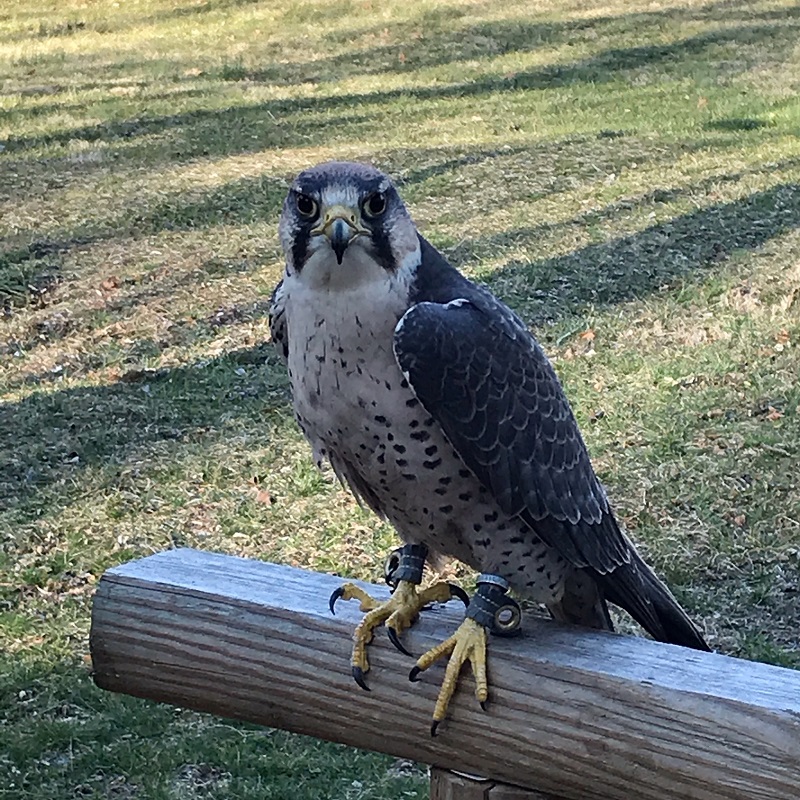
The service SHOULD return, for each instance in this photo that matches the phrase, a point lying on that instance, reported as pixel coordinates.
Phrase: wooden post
(578, 715)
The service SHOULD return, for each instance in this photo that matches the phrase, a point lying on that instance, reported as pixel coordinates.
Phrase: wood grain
(578, 714)
(446, 785)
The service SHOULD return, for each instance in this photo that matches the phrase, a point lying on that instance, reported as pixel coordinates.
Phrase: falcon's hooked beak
(341, 225)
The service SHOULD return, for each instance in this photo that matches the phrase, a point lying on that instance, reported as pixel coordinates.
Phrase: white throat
(358, 271)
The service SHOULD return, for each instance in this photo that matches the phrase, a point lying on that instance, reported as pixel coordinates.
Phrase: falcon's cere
(439, 410)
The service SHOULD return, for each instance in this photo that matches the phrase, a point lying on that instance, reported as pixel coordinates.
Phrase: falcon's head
(344, 224)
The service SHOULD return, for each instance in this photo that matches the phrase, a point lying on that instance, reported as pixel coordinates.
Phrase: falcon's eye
(306, 205)
(375, 204)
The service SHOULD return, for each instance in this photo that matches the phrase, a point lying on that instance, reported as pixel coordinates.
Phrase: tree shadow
(48, 438)
(635, 266)
(50, 442)
(420, 48)
(27, 271)
(441, 166)
(542, 169)
(433, 39)
(180, 332)
(241, 202)
(44, 109)
(27, 274)
(285, 122)
(736, 124)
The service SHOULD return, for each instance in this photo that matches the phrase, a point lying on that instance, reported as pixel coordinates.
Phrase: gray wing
(478, 371)
(277, 321)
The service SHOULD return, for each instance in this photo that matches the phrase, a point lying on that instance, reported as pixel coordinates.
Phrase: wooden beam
(577, 714)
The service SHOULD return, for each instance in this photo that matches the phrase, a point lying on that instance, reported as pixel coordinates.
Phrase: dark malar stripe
(383, 248)
(299, 249)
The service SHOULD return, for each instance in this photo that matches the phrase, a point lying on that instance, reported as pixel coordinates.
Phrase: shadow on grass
(737, 124)
(434, 39)
(48, 439)
(285, 122)
(637, 265)
(27, 272)
(98, 105)
(241, 202)
(421, 48)
(254, 199)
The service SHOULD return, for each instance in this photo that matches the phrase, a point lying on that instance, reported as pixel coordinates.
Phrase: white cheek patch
(287, 230)
(405, 245)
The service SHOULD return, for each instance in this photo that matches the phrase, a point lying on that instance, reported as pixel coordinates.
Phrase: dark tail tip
(675, 623)
(637, 589)
(678, 628)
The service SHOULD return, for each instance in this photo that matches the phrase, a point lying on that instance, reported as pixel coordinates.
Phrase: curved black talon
(483, 705)
(458, 592)
(358, 677)
(334, 597)
(395, 640)
(412, 676)
(434, 726)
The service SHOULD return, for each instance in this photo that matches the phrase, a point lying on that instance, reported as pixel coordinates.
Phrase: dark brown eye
(306, 205)
(375, 204)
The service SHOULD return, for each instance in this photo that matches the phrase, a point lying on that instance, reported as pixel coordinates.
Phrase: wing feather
(277, 321)
(486, 381)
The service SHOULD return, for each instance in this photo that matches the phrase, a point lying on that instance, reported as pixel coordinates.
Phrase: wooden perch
(573, 714)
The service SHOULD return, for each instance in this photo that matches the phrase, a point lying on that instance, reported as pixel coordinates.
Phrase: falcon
(438, 409)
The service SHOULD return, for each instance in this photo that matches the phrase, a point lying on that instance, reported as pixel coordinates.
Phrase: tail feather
(637, 589)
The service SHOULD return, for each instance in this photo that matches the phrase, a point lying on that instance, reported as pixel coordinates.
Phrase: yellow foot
(398, 613)
(468, 643)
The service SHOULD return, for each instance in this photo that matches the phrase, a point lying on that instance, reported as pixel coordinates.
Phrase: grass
(625, 174)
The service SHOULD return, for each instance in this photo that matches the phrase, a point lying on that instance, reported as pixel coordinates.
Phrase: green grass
(625, 174)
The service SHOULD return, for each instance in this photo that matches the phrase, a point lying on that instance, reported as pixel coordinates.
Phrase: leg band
(405, 564)
(493, 608)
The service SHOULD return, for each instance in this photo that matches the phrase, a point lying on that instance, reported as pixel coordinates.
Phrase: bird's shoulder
(438, 283)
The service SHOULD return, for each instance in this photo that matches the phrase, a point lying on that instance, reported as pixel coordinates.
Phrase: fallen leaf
(782, 336)
(263, 497)
(588, 335)
(740, 520)
(109, 283)
(773, 414)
